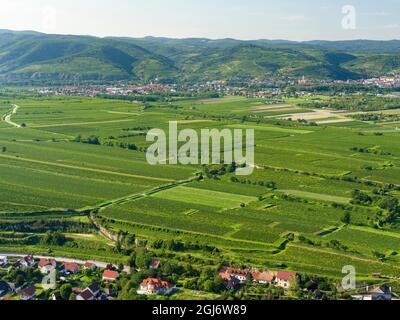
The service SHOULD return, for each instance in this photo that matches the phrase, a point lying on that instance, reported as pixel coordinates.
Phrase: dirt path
(7, 117)
(81, 123)
(85, 169)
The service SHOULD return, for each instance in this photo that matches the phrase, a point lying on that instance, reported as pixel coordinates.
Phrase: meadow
(289, 212)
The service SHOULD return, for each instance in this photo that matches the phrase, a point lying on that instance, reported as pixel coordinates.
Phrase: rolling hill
(34, 57)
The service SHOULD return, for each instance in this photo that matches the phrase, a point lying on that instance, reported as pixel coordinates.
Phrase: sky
(215, 19)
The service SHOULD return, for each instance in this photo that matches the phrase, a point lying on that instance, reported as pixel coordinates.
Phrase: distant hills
(27, 56)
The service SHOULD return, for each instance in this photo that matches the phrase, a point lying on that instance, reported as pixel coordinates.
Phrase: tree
(143, 258)
(19, 280)
(54, 238)
(72, 296)
(346, 219)
(66, 291)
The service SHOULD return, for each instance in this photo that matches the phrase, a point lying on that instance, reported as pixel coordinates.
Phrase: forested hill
(27, 56)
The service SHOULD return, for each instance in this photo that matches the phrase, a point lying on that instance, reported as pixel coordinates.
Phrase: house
(56, 296)
(265, 277)
(5, 289)
(70, 268)
(155, 264)
(284, 279)
(47, 265)
(85, 295)
(110, 293)
(26, 262)
(3, 261)
(233, 283)
(27, 293)
(376, 293)
(381, 293)
(109, 275)
(94, 289)
(154, 286)
(89, 266)
(229, 273)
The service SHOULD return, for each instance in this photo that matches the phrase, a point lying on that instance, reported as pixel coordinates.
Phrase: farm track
(84, 169)
(369, 261)
(7, 117)
(209, 235)
(79, 123)
(329, 155)
(140, 195)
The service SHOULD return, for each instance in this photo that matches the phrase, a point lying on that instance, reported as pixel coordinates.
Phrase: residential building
(56, 296)
(155, 264)
(284, 279)
(70, 268)
(229, 273)
(25, 262)
(85, 295)
(3, 261)
(110, 275)
(154, 286)
(27, 293)
(5, 289)
(266, 277)
(94, 289)
(89, 266)
(47, 265)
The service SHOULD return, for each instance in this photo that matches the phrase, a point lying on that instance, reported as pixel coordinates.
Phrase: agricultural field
(81, 162)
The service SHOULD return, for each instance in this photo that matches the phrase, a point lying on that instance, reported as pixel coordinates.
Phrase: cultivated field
(289, 212)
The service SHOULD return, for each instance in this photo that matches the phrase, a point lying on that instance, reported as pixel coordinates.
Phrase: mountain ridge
(34, 56)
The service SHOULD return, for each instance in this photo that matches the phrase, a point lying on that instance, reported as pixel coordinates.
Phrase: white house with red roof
(26, 262)
(89, 265)
(229, 273)
(47, 265)
(285, 278)
(265, 277)
(70, 268)
(154, 286)
(110, 275)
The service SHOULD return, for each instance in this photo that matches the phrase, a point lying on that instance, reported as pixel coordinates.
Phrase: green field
(47, 174)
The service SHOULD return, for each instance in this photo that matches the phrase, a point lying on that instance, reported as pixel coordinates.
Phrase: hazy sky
(241, 19)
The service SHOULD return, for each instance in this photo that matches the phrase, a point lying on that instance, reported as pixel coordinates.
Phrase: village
(88, 281)
(44, 278)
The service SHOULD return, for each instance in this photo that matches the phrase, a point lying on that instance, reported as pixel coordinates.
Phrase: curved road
(7, 117)
(61, 259)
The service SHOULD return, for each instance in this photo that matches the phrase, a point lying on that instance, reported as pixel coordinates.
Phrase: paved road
(60, 259)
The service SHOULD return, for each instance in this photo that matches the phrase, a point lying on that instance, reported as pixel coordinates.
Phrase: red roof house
(70, 267)
(110, 275)
(154, 286)
(263, 277)
(285, 278)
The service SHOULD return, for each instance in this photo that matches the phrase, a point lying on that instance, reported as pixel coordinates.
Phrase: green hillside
(34, 56)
